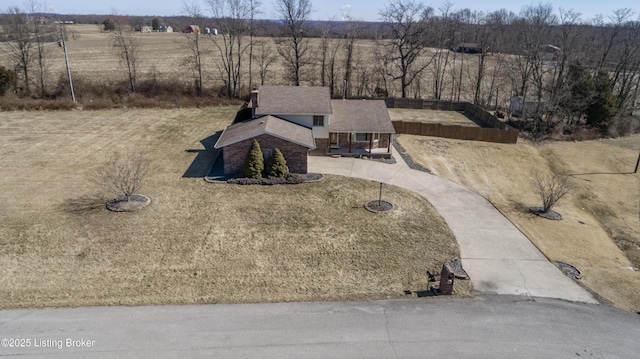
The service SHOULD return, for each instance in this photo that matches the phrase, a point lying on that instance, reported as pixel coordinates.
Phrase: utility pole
(66, 60)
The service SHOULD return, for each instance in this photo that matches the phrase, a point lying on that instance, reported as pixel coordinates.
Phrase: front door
(333, 140)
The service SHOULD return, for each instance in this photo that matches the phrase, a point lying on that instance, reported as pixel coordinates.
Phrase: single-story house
(299, 119)
(165, 28)
(146, 28)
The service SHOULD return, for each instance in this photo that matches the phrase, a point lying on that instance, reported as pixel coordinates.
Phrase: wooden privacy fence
(491, 128)
(456, 132)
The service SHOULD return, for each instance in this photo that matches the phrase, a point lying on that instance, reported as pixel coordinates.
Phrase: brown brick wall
(235, 154)
(343, 141)
(322, 144)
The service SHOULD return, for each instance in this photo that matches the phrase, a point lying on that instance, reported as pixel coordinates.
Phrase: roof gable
(269, 125)
(293, 100)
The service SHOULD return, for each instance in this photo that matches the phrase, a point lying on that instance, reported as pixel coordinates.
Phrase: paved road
(496, 255)
(482, 327)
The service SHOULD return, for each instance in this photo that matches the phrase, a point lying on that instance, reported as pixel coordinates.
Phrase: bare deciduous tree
(551, 188)
(123, 174)
(327, 55)
(294, 45)
(353, 30)
(229, 18)
(406, 22)
(43, 34)
(264, 57)
(20, 44)
(127, 46)
(254, 10)
(195, 51)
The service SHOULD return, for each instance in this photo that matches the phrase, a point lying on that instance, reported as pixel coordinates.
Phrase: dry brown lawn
(196, 242)
(601, 209)
(441, 117)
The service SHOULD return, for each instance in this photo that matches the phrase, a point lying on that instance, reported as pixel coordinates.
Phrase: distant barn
(192, 29)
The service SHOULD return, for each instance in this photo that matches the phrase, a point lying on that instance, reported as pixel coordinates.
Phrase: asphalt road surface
(486, 326)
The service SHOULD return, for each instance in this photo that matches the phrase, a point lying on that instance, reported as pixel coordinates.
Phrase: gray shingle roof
(293, 100)
(360, 116)
(270, 125)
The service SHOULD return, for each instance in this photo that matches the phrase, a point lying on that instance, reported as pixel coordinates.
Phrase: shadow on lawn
(84, 204)
(201, 165)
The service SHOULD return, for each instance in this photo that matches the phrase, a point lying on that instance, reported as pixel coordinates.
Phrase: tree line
(573, 70)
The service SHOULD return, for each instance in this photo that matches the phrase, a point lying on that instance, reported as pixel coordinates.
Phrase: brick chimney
(254, 101)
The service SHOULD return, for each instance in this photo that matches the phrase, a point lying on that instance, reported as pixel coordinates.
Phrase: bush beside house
(276, 165)
(254, 164)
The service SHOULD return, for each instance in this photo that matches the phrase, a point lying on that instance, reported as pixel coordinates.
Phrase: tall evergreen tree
(254, 163)
(601, 111)
(277, 165)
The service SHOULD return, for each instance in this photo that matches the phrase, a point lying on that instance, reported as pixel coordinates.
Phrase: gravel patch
(403, 153)
(123, 204)
(378, 206)
(568, 269)
(551, 214)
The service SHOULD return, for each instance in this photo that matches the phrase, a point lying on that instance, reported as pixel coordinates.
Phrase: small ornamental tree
(277, 165)
(254, 163)
(550, 188)
(124, 174)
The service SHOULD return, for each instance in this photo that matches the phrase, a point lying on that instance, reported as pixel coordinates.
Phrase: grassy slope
(197, 242)
(602, 205)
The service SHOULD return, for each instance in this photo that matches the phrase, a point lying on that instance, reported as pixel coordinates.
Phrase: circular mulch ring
(551, 214)
(123, 204)
(378, 206)
(568, 269)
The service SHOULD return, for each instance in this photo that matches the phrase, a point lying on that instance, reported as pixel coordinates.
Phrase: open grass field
(441, 117)
(196, 242)
(162, 57)
(602, 209)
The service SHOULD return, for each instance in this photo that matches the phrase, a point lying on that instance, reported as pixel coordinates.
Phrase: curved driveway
(496, 255)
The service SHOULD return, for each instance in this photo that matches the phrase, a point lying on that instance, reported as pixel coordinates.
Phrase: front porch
(374, 145)
(360, 152)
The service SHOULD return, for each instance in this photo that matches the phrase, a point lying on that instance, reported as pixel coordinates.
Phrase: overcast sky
(323, 10)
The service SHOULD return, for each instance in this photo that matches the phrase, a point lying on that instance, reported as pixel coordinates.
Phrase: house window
(266, 154)
(365, 137)
(318, 120)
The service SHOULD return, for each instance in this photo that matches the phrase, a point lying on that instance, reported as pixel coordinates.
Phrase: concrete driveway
(496, 255)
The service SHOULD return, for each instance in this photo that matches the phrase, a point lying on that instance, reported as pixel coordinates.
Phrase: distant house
(469, 48)
(146, 28)
(299, 119)
(192, 29)
(165, 28)
(550, 53)
(206, 30)
(521, 108)
(214, 31)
